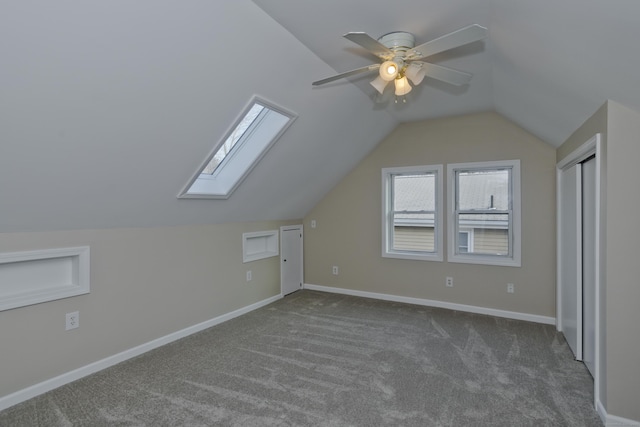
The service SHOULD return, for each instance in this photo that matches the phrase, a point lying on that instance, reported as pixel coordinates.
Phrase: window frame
(513, 258)
(387, 217)
(244, 155)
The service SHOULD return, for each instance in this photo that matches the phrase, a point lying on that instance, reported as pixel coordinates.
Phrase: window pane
(463, 242)
(413, 230)
(483, 189)
(231, 141)
(490, 233)
(414, 192)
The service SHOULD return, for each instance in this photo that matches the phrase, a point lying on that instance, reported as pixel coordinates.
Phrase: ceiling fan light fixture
(379, 83)
(415, 73)
(402, 86)
(389, 70)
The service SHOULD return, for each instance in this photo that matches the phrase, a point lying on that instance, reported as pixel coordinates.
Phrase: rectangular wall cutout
(39, 276)
(260, 244)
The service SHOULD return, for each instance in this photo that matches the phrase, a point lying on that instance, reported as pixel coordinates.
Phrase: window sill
(413, 256)
(485, 260)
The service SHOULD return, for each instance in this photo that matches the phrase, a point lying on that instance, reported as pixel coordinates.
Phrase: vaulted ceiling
(546, 65)
(108, 108)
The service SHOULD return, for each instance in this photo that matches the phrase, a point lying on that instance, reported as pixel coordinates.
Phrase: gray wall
(145, 283)
(623, 268)
(349, 220)
(620, 292)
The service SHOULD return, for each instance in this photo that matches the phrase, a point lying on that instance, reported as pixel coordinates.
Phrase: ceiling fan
(401, 59)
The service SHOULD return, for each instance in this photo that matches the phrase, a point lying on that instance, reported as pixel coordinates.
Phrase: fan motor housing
(398, 40)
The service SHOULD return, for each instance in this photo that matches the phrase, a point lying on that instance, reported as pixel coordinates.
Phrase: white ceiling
(108, 108)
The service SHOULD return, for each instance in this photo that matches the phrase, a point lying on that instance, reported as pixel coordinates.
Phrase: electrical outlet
(335, 270)
(449, 282)
(510, 288)
(72, 320)
(313, 223)
(249, 276)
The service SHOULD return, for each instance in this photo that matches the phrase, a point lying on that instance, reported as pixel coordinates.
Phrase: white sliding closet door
(570, 258)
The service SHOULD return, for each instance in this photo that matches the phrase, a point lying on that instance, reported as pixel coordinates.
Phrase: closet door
(570, 258)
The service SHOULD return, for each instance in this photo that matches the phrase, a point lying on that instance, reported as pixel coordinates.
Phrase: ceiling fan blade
(371, 44)
(469, 34)
(445, 74)
(347, 74)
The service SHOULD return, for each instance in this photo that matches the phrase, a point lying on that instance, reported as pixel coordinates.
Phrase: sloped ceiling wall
(108, 108)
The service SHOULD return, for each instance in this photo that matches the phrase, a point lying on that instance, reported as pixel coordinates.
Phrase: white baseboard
(50, 384)
(614, 421)
(434, 303)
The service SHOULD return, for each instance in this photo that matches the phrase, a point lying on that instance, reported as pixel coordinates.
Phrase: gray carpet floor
(320, 359)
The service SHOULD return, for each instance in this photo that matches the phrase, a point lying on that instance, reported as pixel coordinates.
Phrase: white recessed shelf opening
(39, 276)
(260, 244)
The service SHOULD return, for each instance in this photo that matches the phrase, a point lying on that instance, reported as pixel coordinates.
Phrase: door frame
(591, 147)
(300, 228)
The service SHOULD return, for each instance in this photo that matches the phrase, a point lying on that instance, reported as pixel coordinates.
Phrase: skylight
(255, 131)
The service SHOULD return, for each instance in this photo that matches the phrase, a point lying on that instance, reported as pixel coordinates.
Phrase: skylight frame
(224, 179)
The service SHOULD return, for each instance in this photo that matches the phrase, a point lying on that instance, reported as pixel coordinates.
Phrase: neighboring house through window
(412, 212)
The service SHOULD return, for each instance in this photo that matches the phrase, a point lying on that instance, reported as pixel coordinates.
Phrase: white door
(589, 263)
(291, 259)
(570, 259)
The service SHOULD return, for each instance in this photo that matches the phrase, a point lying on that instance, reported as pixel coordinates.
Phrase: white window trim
(513, 260)
(387, 250)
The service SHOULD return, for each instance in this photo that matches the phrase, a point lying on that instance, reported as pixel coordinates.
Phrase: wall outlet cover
(72, 320)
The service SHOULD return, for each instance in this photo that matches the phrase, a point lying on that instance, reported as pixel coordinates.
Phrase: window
(484, 212)
(464, 242)
(412, 212)
(255, 131)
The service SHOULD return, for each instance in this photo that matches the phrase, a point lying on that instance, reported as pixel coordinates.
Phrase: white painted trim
(52, 383)
(581, 153)
(598, 261)
(559, 325)
(434, 303)
(612, 420)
